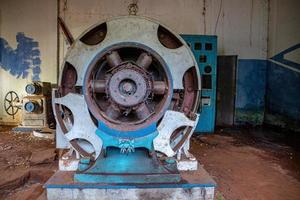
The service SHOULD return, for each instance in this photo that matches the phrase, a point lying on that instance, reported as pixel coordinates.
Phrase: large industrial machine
(127, 104)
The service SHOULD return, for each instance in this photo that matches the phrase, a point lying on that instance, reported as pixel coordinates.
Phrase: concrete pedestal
(194, 185)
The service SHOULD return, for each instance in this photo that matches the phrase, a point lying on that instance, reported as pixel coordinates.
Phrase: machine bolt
(185, 109)
(127, 87)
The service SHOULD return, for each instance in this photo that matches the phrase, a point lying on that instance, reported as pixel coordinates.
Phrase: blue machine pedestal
(193, 185)
(134, 167)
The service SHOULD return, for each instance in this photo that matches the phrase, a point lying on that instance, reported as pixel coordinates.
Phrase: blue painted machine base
(135, 167)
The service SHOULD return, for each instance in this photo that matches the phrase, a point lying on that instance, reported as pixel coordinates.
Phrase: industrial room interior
(141, 99)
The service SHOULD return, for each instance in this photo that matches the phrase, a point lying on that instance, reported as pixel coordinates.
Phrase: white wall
(284, 27)
(241, 26)
(37, 19)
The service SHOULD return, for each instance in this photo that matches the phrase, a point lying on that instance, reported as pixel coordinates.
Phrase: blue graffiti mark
(280, 57)
(18, 62)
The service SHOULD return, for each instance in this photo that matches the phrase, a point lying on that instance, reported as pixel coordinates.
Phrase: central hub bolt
(127, 87)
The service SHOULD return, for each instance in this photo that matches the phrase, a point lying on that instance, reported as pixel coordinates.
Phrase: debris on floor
(246, 163)
(26, 163)
(46, 133)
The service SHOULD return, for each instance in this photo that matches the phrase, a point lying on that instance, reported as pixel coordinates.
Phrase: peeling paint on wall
(283, 91)
(250, 91)
(283, 69)
(20, 61)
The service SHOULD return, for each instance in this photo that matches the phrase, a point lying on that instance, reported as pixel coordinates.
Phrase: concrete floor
(251, 163)
(248, 163)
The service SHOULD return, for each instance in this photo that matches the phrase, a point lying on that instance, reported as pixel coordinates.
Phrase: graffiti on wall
(24, 59)
(284, 60)
(271, 85)
(283, 86)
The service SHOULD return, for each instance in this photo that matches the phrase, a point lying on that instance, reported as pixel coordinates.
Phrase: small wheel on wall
(10, 100)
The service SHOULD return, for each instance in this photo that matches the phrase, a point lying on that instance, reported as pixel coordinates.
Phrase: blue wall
(269, 91)
(283, 91)
(250, 91)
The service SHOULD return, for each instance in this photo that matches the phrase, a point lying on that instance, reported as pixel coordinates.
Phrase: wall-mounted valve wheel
(10, 100)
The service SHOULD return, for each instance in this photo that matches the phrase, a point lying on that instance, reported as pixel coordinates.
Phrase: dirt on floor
(251, 163)
(246, 163)
(26, 163)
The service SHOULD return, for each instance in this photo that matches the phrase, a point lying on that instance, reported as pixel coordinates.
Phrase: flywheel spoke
(144, 60)
(112, 112)
(113, 59)
(142, 111)
(159, 87)
(98, 86)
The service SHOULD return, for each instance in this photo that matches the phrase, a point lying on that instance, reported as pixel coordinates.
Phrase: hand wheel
(9, 103)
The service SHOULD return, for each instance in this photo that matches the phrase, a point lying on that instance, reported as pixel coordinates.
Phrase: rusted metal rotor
(131, 88)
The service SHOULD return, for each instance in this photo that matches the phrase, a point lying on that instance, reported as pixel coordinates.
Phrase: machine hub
(128, 86)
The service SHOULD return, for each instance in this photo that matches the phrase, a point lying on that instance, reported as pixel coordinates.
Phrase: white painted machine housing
(129, 29)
